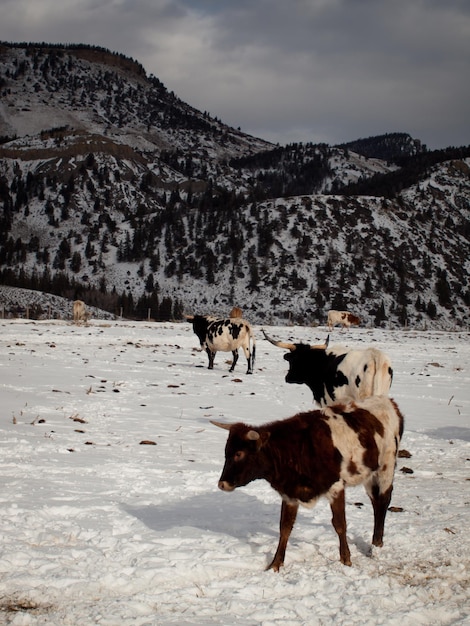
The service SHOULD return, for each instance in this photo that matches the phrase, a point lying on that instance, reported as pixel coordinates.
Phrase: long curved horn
(279, 344)
(189, 317)
(221, 425)
(322, 346)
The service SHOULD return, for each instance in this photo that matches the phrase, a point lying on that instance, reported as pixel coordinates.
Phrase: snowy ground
(98, 527)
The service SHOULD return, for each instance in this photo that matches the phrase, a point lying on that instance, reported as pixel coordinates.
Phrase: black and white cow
(225, 335)
(337, 374)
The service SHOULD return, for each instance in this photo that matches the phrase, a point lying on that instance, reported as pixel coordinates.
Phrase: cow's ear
(252, 435)
(260, 438)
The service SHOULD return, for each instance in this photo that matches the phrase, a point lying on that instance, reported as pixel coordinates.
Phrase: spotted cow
(316, 454)
(343, 318)
(337, 373)
(225, 335)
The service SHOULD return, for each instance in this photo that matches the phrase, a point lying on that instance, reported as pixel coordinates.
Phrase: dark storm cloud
(304, 70)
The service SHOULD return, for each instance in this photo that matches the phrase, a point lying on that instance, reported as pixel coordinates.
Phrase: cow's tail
(253, 348)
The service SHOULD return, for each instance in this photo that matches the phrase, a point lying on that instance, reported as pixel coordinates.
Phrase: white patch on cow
(371, 366)
(334, 491)
(346, 440)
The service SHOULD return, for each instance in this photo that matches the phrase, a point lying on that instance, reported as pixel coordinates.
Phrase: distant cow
(337, 374)
(342, 317)
(317, 454)
(80, 314)
(225, 335)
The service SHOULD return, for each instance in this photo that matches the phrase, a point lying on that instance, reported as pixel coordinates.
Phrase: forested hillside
(115, 191)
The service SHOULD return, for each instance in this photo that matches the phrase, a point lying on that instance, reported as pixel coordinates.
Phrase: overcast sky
(285, 70)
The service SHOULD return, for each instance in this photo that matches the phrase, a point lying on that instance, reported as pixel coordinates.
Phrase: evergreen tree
(431, 310)
(76, 262)
(443, 290)
(380, 315)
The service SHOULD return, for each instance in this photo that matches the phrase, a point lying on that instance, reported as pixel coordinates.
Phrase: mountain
(115, 191)
(387, 147)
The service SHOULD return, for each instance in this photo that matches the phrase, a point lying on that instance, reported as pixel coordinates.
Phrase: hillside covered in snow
(115, 191)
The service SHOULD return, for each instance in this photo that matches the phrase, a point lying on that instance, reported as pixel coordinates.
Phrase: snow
(99, 527)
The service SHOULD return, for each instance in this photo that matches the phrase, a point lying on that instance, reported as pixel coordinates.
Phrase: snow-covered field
(99, 526)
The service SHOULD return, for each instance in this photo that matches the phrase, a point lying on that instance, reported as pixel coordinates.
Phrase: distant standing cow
(317, 454)
(80, 314)
(226, 335)
(344, 318)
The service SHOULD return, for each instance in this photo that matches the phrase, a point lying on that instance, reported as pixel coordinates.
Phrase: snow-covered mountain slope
(115, 191)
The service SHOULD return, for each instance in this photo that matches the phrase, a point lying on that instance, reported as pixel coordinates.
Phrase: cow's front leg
(234, 360)
(286, 524)
(339, 522)
(211, 356)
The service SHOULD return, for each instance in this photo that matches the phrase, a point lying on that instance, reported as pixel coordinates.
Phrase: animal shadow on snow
(239, 515)
(449, 432)
(243, 516)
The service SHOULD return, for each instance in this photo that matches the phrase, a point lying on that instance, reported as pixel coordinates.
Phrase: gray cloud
(304, 70)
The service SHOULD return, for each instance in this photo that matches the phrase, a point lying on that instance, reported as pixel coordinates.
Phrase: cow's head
(243, 455)
(305, 360)
(354, 320)
(200, 324)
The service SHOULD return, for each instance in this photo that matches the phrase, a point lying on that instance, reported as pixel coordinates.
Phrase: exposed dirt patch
(22, 604)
